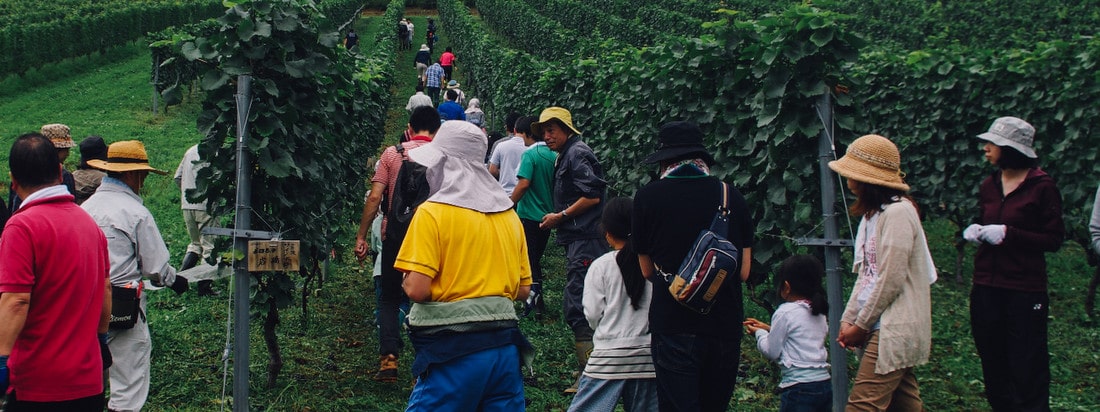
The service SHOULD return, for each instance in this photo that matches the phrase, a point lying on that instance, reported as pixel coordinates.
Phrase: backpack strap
(720, 223)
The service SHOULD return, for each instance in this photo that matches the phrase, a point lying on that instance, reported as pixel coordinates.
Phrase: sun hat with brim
(554, 113)
(679, 140)
(456, 170)
(872, 159)
(125, 156)
(453, 84)
(424, 47)
(1012, 132)
(58, 135)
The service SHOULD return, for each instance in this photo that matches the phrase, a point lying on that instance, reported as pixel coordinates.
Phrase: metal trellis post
(832, 243)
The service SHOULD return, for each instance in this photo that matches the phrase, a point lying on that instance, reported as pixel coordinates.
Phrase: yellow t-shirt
(468, 254)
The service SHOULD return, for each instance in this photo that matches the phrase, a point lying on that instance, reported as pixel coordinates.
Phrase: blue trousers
(601, 395)
(807, 397)
(488, 381)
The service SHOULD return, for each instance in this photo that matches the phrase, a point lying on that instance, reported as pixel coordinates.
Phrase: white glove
(992, 234)
(971, 233)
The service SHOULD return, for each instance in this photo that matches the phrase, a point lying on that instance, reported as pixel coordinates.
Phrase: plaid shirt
(435, 76)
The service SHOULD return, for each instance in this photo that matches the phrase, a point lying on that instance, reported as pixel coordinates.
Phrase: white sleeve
(594, 298)
(771, 343)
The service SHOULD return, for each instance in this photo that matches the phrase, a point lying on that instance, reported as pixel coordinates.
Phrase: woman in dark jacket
(1020, 219)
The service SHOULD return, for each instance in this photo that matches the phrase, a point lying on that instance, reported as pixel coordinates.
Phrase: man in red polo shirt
(423, 122)
(53, 290)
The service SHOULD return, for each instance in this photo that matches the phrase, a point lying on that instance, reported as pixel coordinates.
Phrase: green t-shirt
(537, 166)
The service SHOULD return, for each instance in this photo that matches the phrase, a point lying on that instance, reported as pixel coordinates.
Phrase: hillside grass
(330, 358)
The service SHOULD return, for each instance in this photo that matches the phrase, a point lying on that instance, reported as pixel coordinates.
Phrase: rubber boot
(190, 260)
(583, 349)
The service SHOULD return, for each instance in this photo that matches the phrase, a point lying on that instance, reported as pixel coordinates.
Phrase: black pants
(389, 331)
(94, 403)
(1010, 332)
(695, 373)
(536, 246)
(579, 254)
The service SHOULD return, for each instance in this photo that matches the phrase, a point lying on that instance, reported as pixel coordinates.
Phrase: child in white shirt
(796, 339)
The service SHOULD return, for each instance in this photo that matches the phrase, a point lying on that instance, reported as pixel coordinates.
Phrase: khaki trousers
(894, 391)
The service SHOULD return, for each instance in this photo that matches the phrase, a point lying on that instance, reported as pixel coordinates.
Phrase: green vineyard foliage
(318, 111)
(40, 32)
(752, 85)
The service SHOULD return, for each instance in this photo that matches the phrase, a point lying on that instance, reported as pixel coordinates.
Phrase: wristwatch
(563, 214)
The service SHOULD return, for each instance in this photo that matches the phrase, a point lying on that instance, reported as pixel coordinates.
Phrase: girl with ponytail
(797, 338)
(616, 303)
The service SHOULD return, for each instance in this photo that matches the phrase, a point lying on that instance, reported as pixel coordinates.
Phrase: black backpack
(402, 29)
(410, 190)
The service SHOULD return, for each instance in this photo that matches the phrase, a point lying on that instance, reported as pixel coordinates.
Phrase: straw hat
(125, 156)
(1012, 132)
(552, 113)
(58, 135)
(872, 159)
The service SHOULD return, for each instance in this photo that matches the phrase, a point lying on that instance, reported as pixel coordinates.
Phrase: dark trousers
(1010, 332)
(448, 72)
(807, 397)
(579, 254)
(389, 331)
(694, 373)
(536, 246)
(94, 403)
(433, 92)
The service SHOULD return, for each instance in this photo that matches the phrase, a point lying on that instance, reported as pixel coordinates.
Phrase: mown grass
(331, 356)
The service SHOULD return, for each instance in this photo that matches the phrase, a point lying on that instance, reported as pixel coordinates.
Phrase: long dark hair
(804, 273)
(616, 221)
(870, 198)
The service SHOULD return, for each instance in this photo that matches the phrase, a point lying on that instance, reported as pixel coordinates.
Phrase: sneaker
(387, 372)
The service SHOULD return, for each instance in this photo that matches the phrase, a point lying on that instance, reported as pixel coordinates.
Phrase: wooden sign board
(273, 255)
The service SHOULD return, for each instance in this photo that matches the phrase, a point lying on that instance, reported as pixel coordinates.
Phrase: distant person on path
(696, 355)
(351, 41)
(474, 114)
(62, 143)
(504, 162)
(424, 121)
(464, 254)
(418, 100)
(433, 81)
(86, 178)
(137, 251)
(447, 60)
(409, 35)
(195, 217)
(616, 304)
(797, 336)
(454, 85)
(403, 35)
(449, 109)
(534, 198)
(54, 296)
(421, 61)
(1020, 220)
(431, 25)
(579, 189)
(889, 313)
